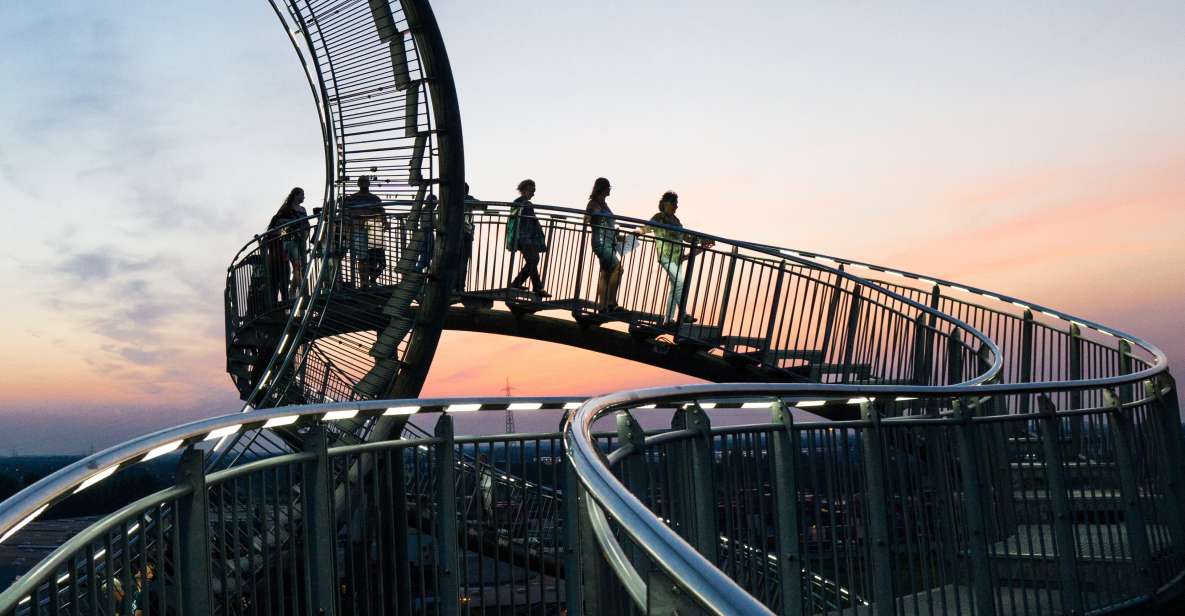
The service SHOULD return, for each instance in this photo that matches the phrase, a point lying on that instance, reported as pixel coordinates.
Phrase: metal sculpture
(931, 447)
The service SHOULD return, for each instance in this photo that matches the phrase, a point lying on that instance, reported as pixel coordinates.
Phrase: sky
(1038, 151)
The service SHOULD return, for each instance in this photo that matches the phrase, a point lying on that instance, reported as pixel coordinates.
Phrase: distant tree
(9, 484)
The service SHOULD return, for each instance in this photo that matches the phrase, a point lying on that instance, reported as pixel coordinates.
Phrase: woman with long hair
(604, 245)
(286, 249)
(671, 249)
(525, 234)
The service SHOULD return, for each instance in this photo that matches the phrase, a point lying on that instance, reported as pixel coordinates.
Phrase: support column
(1168, 417)
(1129, 492)
(701, 488)
(969, 444)
(319, 535)
(573, 588)
(1075, 366)
(635, 473)
(878, 510)
(1063, 527)
(784, 453)
(394, 489)
(850, 338)
(1026, 361)
(444, 494)
(193, 533)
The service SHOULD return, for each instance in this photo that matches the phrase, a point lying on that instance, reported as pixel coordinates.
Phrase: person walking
(604, 245)
(525, 234)
(288, 244)
(669, 249)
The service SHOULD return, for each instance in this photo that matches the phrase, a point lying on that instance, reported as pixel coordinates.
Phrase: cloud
(99, 264)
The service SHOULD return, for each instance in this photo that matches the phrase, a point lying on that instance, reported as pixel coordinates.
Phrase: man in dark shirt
(364, 210)
(471, 205)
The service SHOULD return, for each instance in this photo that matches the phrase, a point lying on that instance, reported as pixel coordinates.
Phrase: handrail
(696, 574)
(26, 505)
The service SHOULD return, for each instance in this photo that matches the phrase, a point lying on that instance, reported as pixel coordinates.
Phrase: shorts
(606, 255)
(294, 249)
(359, 245)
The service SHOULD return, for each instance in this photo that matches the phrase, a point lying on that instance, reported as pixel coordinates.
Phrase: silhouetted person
(604, 245)
(364, 210)
(467, 233)
(143, 598)
(288, 244)
(525, 234)
(427, 233)
(669, 248)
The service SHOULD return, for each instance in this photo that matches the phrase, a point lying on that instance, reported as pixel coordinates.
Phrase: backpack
(512, 229)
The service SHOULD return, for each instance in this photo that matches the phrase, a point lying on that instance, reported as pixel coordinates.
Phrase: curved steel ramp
(932, 447)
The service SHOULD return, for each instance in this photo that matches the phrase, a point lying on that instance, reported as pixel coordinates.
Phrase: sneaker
(542, 294)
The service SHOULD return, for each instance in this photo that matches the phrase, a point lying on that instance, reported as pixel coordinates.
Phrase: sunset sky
(1032, 150)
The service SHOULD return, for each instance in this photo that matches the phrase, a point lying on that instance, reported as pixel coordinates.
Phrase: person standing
(669, 248)
(287, 246)
(364, 209)
(604, 245)
(525, 234)
(467, 232)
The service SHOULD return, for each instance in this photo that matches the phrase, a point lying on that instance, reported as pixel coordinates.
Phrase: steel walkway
(930, 448)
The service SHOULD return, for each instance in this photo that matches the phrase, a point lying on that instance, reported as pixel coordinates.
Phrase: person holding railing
(525, 234)
(286, 249)
(604, 245)
(669, 245)
(364, 210)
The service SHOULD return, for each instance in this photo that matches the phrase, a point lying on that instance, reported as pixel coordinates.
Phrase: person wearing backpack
(525, 234)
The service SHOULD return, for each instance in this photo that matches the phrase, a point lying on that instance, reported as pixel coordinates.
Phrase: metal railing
(931, 501)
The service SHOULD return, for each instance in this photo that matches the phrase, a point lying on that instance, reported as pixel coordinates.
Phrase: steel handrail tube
(677, 557)
(28, 583)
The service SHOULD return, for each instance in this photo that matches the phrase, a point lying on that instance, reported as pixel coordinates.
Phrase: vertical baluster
(577, 307)
(193, 533)
(593, 569)
(775, 305)
(784, 449)
(969, 444)
(635, 472)
(573, 525)
(1129, 491)
(954, 358)
(321, 595)
(1063, 528)
(878, 515)
(1026, 360)
(921, 347)
(1168, 417)
(1075, 368)
(700, 489)
(448, 586)
(849, 347)
(829, 326)
(726, 296)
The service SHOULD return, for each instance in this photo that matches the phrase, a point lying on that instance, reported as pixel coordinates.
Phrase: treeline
(108, 495)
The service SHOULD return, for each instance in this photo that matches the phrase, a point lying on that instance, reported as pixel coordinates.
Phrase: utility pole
(509, 413)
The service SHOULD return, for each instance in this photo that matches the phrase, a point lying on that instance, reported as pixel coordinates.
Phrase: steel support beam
(784, 452)
(444, 493)
(319, 527)
(193, 534)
